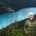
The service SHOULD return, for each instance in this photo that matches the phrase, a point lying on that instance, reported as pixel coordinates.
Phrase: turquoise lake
(9, 18)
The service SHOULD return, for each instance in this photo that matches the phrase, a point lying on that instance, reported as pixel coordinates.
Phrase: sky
(9, 18)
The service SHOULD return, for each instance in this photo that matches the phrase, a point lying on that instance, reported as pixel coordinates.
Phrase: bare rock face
(9, 9)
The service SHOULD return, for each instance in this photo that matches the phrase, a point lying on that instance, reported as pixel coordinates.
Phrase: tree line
(12, 30)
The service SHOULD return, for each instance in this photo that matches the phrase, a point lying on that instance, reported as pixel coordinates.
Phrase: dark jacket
(30, 28)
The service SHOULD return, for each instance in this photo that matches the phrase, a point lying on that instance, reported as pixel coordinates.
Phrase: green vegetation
(12, 30)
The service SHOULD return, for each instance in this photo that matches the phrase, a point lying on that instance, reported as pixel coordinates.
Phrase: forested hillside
(15, 5)
(4, 8)
(12, 30)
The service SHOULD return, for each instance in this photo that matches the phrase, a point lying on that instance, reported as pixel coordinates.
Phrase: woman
(30, 25)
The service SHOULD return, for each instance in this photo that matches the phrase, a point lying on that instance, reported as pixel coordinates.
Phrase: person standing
(30, 25)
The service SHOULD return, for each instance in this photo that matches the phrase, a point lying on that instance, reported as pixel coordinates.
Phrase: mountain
(4, 8)
(18, 4)
(15, 5)
(29, 0)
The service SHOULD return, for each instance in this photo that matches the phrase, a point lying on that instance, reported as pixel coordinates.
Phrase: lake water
(9, 18)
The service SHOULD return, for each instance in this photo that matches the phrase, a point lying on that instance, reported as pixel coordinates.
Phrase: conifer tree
(9, 32)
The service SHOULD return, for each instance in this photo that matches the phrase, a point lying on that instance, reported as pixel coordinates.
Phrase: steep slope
(4, 8)
(18, 4)
(14, 5)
